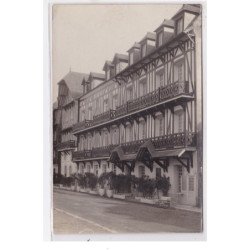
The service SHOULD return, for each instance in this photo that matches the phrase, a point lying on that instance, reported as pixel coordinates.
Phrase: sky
(85, 36)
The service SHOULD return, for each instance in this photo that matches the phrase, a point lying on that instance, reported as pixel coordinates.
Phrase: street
(78, 213)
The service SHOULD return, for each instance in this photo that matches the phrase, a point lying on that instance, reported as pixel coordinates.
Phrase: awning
(117, 155)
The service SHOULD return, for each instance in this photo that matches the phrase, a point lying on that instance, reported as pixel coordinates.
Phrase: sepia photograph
(127, 119)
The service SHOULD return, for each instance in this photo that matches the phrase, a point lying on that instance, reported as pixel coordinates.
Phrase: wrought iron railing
(83, 154)
(176, 140)
(106, 116)
(82, 125)
(103, 151)
(161, 94)
(66, 145)
(174, 89)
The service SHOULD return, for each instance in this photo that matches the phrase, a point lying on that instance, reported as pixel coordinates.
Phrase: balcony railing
(161, 94)
(106, 116)
(84, 154)
(176, 140)
(66, 145)
(82, 125)
(103, 151)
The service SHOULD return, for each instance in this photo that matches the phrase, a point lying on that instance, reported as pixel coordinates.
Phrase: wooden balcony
(66, 145)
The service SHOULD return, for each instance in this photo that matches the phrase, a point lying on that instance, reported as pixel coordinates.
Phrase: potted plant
(163, 184)
(121, 186)
(91, 181)
(101, 183)
(109, 182)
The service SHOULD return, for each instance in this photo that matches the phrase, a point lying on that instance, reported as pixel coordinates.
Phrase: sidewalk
(179, 207)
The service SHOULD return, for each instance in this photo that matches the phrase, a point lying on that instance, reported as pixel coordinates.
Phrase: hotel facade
(143, 116)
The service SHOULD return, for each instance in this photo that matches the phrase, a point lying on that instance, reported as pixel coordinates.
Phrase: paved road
(84, 213)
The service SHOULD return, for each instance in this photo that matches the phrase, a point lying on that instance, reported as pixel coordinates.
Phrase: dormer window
(179, 26)
(131, 61)
(160, 38)
(117, 68)
(108, 74)
(144, 48)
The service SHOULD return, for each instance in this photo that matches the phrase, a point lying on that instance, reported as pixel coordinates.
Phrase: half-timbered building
(144, 115)
(69, 90)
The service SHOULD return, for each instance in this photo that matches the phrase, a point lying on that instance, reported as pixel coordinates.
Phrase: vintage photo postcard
(127, 102)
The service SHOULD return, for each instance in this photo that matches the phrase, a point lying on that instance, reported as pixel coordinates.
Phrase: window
(104, 168)
(108, 74)
(114, 102)
(115, 137)
(81, 170)
(184, 182)
(143, 87)
(129, 133)
(159, 80)
(131, 61)
(141, 171)
(191, 183)
(105, 138)
(180, 122)
(161, 126)
(179, 26)
(179, 72)
(105, 105)
(117, 68)
(90, 113)
(179, 179)
(89, 142)
(142, 130)
(129, 93)
(82, 115)
(144, 48)
(97, 106)
(160, 39)
(158, 173)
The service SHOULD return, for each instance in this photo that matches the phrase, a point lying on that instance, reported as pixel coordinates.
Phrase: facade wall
(68, 167)
(177, 66)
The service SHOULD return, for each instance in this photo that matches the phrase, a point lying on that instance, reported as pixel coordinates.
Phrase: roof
(149, 36)
(73, 81)
(120, 57)
(136, 46)
(166, 23)
(107, 63)
(194, 9)
(97, 75)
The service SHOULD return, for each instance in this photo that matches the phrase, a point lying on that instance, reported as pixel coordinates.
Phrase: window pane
(191, 183)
